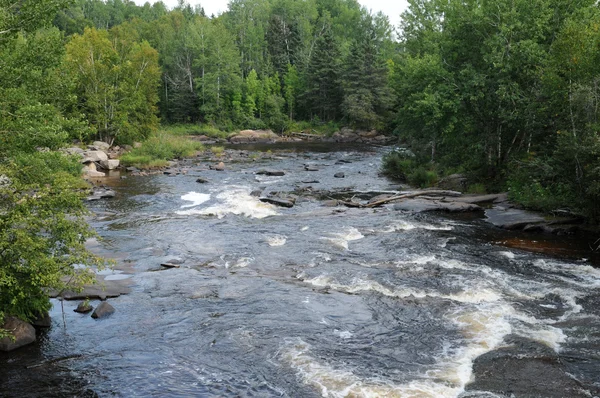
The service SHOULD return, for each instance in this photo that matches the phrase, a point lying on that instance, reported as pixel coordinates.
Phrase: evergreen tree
(323, 93)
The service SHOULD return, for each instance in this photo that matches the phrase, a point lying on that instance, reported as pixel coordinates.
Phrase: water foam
(342, 239)
(360, 285)
(238, 201)
(196, 199)
(276, 240)
(403, 225)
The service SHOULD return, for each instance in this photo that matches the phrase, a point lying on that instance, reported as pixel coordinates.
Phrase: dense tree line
(506, 90)
(263, 63)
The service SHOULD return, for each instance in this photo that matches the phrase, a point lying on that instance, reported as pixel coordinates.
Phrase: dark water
(316, 301)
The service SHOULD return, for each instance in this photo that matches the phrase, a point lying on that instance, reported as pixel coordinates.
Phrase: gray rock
(94, 156)
(101, 145)
(512, 218)
(219, 167)
(43, 321)
(477, 199)
(331, 203)
(339, 175)
(94, 174)
(22, 332)
(73, 151)
(201, 180)
(84, 307)
(273, 173)
(278, 202)
(100, 193)
(110, 164)
(170, 265)
(311, 168)
(420, 205)
(310, 182)
(256, 193)
(103, 310)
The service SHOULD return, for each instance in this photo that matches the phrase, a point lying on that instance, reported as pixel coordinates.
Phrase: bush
(399, 163)
(42, 232)
(160, 148)
(422, 178)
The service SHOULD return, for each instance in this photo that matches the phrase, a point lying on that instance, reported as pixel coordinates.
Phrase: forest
(504, 91)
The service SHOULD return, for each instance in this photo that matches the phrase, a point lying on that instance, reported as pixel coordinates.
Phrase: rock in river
(278, 202)
(84, 307)
(23, 333)
(272, 173)
(103, 310)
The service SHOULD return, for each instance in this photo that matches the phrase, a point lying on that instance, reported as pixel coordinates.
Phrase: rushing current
(315, 301)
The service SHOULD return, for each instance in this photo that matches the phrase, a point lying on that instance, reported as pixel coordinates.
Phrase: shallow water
(315, 301)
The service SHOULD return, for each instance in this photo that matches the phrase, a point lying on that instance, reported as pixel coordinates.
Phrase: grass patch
(217, 150)
(195, 129)
(160, 148)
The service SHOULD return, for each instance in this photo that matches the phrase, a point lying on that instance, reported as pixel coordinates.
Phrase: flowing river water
(316, 301)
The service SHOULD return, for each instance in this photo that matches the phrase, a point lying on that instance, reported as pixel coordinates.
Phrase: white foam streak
(235, 200)
(342, 239)
(403, 225)
(360, 285)
(196, 199)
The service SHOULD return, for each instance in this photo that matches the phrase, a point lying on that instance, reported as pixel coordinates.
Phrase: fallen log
(400, 197)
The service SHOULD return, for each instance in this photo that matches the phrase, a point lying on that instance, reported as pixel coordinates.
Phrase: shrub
(42, 232)
(159, 148)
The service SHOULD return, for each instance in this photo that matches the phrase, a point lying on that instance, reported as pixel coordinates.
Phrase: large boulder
(103, 310)
(260, 136)
(94, 156)
(110, 164)
(23, 334)
(99, 146)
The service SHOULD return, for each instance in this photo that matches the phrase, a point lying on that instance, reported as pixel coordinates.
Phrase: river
(316, 301)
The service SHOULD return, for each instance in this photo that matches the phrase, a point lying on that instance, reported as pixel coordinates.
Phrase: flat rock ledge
(101, 290)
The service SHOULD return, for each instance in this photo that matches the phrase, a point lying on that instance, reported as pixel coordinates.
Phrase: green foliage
(42, 232)
(505, 89)
(116, 81)
(206, 129)
(159, 148)
(421, 177)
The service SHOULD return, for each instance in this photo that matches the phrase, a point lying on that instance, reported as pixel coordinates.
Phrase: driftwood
(400, 197)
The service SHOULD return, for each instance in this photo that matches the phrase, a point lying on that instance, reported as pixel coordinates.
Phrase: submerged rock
(22, 332)
(278, 202)
(202, 180)
(103, 310)
(525, 368)
(311, 168)
(339, 175)
(271, 173)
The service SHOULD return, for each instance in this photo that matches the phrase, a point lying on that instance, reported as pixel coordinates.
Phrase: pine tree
(323, 94)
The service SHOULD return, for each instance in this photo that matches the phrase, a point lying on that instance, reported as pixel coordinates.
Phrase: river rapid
(314, 301)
